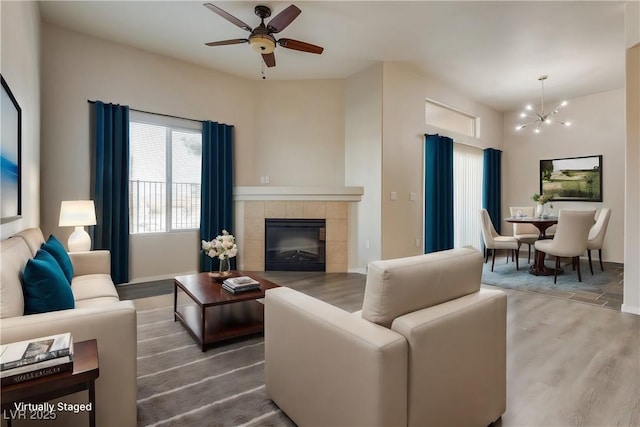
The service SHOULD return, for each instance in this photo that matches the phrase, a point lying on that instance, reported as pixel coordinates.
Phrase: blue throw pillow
(45, 287)
(56, 248)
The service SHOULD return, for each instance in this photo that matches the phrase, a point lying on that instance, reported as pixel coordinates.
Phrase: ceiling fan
(261, 38)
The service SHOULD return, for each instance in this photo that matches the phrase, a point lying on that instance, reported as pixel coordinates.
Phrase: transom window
(445, 117)
(164, 174)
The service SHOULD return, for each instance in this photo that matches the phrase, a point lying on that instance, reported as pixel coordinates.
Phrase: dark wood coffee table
(219, 315)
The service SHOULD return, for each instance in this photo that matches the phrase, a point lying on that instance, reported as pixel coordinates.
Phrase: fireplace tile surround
(335, 213)
(333, 204)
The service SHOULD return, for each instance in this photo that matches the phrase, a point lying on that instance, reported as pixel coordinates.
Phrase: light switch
(394, 195)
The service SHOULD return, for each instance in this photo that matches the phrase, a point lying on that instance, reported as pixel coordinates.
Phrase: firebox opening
(295, 244)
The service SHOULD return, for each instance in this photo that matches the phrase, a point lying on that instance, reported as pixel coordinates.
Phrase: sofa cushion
(33, 237)
(45, 286)
(57, 250)
(14, 254)
(399, 286)
(93, 286)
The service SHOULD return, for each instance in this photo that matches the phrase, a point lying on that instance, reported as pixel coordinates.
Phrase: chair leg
(578, 268)
(493, 258)
(590, 266)
(529, 256)
(486, 255)
(600, 256)
(507, 259)
(555, 271)
(517, 257)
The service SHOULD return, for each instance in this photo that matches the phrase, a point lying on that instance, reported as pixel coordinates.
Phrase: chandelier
(537, 118)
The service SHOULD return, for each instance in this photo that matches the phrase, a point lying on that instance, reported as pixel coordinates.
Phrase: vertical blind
(467, 194)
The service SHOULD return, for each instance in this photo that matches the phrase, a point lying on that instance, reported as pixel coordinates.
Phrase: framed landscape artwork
(572, 179)
(10, 156)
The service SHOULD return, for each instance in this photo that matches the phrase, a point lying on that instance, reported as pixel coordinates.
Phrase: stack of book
(40, 357)
(240, 284)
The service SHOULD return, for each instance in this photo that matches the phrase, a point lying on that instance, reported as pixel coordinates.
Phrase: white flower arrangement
(222, 247)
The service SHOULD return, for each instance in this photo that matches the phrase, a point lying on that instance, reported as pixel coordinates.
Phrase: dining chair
(596, 235)
(525, 233)
(570, 240)
(494, 241)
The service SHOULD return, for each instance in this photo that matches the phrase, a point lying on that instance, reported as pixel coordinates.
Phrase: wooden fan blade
(301, 46)
(269, 59)
(283, 19)
(226, 42)
(229, 17)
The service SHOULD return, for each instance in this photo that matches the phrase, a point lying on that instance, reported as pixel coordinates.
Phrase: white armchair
(427, 349)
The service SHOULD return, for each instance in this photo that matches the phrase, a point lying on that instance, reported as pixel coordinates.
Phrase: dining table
(542, 224)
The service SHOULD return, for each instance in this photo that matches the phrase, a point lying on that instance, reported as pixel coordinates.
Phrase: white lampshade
(78, 213)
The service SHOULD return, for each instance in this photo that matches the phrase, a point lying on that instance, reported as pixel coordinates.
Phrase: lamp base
(79, 240)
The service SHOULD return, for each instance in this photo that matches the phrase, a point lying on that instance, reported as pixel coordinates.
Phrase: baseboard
(358, 270)
(155, 278)
(626, 308)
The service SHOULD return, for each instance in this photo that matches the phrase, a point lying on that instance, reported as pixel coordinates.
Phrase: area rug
(179, 385)
(505, 275)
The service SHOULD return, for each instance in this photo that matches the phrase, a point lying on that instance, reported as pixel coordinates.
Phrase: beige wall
(405, 91)
(598, 127)
(274, 122)
(301, 121)
(363, 163)
(632, 191)
(20, 67)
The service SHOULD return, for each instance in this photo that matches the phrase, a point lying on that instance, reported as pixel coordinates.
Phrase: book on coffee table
(240, 284)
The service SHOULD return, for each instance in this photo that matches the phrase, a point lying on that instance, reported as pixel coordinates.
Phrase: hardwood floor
(568, 363)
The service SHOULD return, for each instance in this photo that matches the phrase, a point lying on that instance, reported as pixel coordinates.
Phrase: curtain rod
(157, 114)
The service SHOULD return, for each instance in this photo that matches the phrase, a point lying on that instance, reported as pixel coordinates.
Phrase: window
(467, 195)
(445, 117)
(164, 174)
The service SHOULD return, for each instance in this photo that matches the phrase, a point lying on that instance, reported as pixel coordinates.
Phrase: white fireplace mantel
(267, 192)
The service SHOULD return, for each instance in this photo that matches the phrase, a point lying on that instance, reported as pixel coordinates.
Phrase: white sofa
(427, 349)
(98, 314)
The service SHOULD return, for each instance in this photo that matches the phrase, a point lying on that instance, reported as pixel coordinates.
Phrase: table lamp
(78, 213)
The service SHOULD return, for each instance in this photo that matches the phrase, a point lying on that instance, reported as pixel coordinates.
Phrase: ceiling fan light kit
(537, 118)
(261, 38)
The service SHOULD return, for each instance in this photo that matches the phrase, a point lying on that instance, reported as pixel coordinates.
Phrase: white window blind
(467, 195)
(164, 173)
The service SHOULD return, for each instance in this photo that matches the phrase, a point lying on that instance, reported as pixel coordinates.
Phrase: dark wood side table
(85, 371)
(218, 315)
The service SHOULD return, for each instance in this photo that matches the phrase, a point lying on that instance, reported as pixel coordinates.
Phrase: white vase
(539, 210)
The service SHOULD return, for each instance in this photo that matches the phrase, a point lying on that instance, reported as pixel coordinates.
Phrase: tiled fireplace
(252, 213)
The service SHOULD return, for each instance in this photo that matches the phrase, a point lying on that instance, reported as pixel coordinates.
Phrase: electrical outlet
(266, 179)
(394, 195)
(412, 196)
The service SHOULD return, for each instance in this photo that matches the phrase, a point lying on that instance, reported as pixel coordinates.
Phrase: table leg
(175, 300)
(202, 332)
(92, 400)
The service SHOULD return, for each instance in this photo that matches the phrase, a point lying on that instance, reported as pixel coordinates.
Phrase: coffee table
(219, 315)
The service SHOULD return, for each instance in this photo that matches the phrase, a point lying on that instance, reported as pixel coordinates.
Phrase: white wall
(274, 122)
(405, 91)
(20, 67)
(598, 127)
(363, 164)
